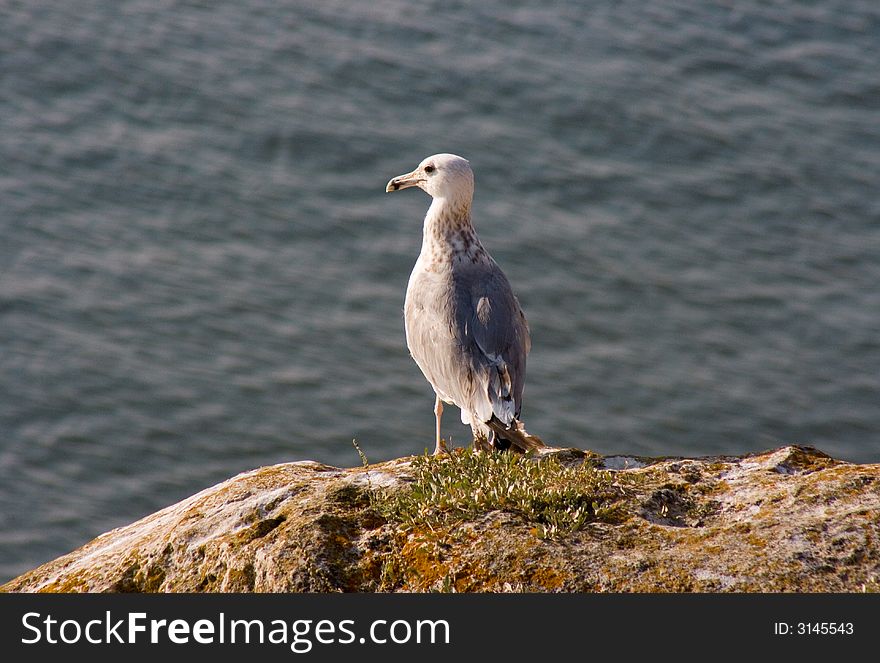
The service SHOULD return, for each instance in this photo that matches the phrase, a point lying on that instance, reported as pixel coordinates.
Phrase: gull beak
(404, 181)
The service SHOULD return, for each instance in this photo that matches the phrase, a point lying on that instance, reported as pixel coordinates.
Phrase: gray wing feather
(492, 321)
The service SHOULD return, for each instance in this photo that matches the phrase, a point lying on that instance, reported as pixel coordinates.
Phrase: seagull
(464, 326)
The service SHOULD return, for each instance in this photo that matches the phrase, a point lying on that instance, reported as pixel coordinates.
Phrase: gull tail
(513, 435)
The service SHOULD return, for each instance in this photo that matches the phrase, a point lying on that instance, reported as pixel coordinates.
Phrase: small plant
(361, 453)
(454, 487)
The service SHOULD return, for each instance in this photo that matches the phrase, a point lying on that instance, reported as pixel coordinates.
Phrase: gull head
(446, 176)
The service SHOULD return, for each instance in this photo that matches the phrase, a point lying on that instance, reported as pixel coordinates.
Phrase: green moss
(241, 580)
(140, 576)
(807, 459)
(348, 495)
(558, 498)
(258, 530)
(76, 582)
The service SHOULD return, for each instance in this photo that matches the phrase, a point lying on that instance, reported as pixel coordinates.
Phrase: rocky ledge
(792, 519)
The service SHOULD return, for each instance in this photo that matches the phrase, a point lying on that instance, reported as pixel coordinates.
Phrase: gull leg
(440, 446)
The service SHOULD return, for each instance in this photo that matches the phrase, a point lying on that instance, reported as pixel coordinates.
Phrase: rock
(793, 519)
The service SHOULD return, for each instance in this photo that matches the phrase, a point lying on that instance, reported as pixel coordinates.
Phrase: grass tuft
(557, 498)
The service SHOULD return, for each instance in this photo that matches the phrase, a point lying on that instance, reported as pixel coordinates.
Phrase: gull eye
(429, 169)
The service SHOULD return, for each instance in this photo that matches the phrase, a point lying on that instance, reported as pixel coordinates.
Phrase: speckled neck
(448, 234)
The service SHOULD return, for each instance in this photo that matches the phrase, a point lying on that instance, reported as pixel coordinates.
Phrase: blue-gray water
(200, 272)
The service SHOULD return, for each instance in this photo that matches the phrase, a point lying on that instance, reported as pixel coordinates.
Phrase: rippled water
(200, 272)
